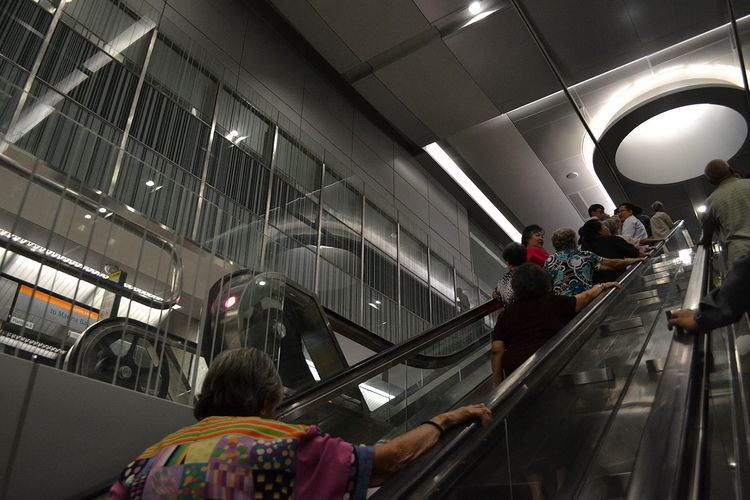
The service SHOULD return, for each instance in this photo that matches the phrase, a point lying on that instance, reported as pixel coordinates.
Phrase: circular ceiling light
(675, 145)
(475, 8)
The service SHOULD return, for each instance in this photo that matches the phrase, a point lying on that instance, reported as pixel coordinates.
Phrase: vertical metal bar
(548, 58)
(362, 264)
(206, 163)
(429, 280)
(35, 69)
(740, 55)
(263, 236)
(131, 114)
(399, 327)
(320, 229)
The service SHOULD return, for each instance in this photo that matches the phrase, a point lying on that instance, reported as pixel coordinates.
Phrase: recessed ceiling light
(701, 209)
(150, 183)
(446, 163)
(475, 8)
(571, 175)
(231, 135)
(102, 210)
(261, 283)
(87, 216)
(377, 302)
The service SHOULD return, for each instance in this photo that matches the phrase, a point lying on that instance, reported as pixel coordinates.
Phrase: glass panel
(343, 198)
(415, 295)
(23, 26)
(413, 255)
(238, 175)
(441, 276)
(296, 166)
(243, 126)
(381, 272)
(380, 230)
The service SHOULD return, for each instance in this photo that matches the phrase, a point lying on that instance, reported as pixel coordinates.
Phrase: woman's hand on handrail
(390, 457)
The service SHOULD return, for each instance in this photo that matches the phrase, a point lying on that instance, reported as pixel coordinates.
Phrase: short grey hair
(657, 206)
(611, 224)
(564, 239)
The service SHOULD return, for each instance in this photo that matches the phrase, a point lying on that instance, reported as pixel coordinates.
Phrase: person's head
(610, 226)
(597, 210)
(657, 206)
(514, 255)
(590, 231)
(625, 210)
(532, 236)
(530, 281)
(717, 171)
(564, 239)
(637, 211)
(240, 383)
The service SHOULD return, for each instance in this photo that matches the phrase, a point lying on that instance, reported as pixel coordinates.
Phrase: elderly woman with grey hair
(238, 450)
(571, 269)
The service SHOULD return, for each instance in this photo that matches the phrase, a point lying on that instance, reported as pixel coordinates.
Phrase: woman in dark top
(534, 318)
(596, 238)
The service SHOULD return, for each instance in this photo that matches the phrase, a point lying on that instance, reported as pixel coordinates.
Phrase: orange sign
(62, 304)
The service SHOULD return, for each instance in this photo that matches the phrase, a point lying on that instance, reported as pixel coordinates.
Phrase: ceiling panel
(371, 27)
(393, 110)
(504, 60)
(316, 31)
(499, 154)
(437, 89)
(660, 24)
(436, 9)
(586, 37)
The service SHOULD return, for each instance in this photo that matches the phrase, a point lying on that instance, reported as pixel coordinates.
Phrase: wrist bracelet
(435, 425)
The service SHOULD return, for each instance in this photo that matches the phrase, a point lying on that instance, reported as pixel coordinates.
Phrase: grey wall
(63, 434)
(270, 63)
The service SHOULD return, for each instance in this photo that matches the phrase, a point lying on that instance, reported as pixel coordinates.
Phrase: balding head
(717, 171)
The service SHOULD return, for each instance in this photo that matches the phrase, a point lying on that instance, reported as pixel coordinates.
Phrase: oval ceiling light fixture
(668, 79)
(475, 8)
(701, 209)
(451, 168)
(675, 145)
(571, 175)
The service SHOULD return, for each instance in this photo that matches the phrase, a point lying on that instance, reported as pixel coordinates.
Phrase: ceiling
(484, 88)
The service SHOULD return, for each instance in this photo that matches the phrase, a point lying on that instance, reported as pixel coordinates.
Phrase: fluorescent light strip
(446, 163)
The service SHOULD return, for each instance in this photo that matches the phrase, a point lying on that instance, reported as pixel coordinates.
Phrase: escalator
(567, 423)
(613, 407)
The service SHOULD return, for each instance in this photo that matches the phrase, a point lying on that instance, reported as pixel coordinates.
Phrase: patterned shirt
(238, 457)
(504, 289)
(572, 271)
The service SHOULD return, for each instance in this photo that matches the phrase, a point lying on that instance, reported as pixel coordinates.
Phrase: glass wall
(124, 102)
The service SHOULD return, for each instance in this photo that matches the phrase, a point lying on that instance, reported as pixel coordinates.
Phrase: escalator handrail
(442, 464)
(375, 365)
(669, 462)
(364, 337)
